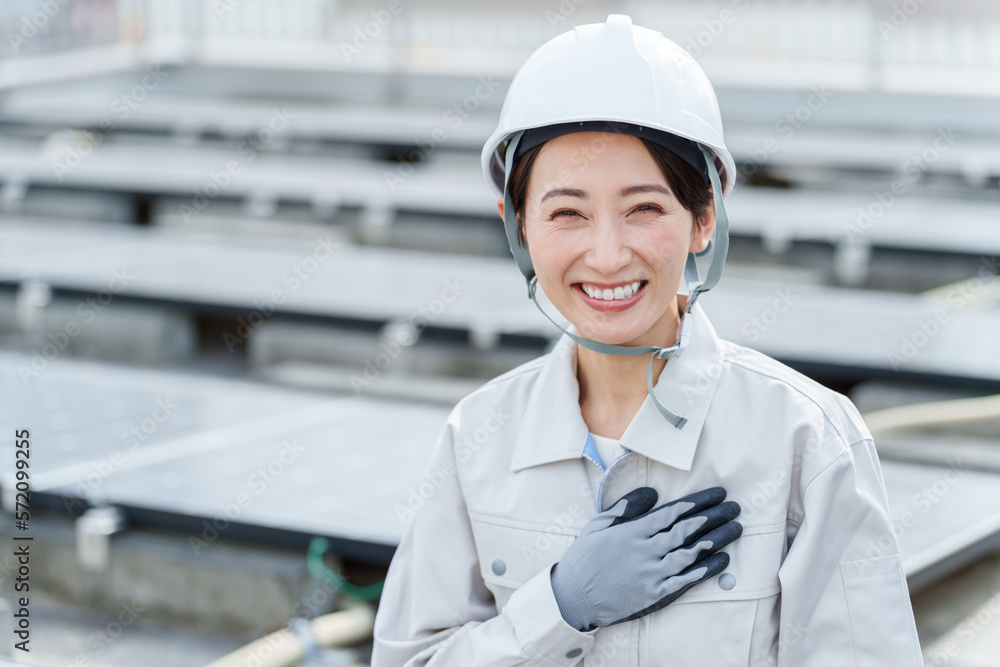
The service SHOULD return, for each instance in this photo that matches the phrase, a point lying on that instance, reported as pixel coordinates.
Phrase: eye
(644, 208)
(564, 212)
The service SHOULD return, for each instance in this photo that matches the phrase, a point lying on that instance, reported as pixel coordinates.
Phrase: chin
(611, 335)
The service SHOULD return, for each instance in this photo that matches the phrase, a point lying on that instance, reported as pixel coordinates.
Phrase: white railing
(921, 45)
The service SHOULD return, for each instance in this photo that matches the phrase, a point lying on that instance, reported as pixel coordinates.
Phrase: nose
(609, 252)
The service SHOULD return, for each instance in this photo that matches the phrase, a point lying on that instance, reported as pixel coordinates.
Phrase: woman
(542, 544)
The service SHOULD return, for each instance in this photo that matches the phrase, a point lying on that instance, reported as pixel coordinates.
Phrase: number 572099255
(22, 476)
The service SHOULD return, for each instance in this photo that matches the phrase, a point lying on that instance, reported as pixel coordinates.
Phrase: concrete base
(222, 587)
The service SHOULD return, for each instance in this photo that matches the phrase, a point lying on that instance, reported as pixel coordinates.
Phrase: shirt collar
(553, 428)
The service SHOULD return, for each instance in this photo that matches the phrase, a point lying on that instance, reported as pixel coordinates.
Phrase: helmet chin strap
(683, 331)
(720, 240)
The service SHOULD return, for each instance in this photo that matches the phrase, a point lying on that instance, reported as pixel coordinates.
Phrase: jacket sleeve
(844, 599)
(435, 608)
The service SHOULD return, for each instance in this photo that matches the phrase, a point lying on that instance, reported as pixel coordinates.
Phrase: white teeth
(621, 292)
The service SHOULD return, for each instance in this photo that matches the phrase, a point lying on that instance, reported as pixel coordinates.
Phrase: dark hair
(683, 179)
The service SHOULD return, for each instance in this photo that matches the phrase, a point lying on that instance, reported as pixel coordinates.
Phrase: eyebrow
(645, 187)
(567, 192)
(625, 192)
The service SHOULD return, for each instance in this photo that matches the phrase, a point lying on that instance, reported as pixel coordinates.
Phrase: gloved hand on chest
(631, 560)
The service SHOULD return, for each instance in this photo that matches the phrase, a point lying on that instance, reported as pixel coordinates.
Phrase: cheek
(551, 252)
(666, 246)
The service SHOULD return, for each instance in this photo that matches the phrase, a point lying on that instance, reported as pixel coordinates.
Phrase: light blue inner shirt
(603, 451)
(611, 449)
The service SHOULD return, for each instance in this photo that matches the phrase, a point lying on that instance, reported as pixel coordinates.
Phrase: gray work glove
(629, 560)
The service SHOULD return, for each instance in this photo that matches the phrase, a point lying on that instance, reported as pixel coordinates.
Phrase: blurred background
(248, 262)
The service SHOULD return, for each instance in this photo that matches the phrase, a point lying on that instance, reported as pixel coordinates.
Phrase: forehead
(581, 157)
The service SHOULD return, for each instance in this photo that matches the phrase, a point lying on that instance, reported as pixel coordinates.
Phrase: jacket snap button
(499, 567)
(727, 581)
(575, 652)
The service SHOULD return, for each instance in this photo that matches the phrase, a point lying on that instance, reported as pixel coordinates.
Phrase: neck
(613, 387)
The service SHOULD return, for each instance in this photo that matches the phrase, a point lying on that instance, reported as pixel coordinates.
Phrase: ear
(500, 207)
(702, 234)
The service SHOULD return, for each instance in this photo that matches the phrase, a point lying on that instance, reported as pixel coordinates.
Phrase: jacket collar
(553, 428)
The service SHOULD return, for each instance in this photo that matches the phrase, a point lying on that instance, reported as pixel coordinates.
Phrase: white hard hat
(611, 71)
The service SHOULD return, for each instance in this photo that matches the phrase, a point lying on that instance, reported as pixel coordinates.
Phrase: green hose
(317, 549)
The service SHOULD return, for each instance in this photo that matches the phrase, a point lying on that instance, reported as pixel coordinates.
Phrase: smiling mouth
(619, 293)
